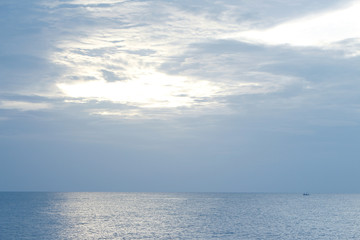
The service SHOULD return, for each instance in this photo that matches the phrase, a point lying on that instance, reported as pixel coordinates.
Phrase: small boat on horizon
(306, 194)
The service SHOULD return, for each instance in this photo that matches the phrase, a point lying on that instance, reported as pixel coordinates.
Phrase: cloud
(153, 56)
(316, 30)
(141, 59)
(156, 90)
(24, 106)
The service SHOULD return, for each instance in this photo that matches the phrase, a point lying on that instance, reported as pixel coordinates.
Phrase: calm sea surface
(178, 216)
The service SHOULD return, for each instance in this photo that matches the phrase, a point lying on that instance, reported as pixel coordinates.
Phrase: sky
(180, 95)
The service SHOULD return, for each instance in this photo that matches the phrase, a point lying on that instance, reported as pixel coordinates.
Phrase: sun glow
(155, 90)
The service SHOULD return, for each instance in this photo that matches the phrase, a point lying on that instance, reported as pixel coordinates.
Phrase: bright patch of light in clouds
(158, 90)
(317, 30)
(153, 90)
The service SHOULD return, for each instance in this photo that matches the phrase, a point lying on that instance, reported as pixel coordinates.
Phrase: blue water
(178, 216)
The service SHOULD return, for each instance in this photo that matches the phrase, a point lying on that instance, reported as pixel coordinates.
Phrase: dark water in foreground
(178, 216)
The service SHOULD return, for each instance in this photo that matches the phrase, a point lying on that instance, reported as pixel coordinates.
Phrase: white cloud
(157, 90)
(121, 58)
(24, 106)
(317, 30)
(149, 91)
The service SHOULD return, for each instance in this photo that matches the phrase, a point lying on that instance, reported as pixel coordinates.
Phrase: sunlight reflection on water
(178, 216)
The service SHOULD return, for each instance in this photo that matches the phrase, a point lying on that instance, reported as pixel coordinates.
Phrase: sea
(250, 216)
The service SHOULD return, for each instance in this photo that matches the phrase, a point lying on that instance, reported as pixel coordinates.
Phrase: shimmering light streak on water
(178, 216)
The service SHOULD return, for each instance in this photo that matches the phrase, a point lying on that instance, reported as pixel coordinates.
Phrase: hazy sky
(180, 95)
